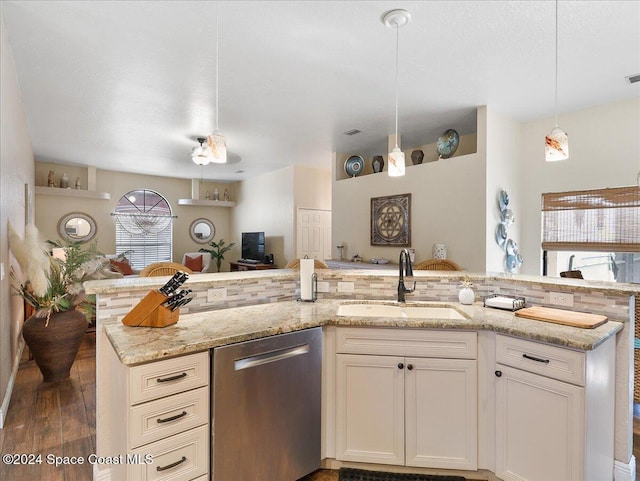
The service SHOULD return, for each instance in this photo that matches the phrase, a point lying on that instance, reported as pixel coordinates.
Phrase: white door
(441, 413)
(539, 428)
(313, 237)
(370, 409)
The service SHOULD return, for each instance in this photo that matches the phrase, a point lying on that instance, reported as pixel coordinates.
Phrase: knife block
(150, 312)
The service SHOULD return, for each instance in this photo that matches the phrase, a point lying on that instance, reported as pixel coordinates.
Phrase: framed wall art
(391, 220)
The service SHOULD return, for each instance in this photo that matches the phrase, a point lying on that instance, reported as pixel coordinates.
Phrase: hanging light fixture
(557, 142)
(396, 19)
(216, 141)
(201, 154)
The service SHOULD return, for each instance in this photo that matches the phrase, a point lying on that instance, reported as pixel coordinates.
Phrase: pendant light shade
(396, 162)
(217, 143)
(396, 19)
(557, 142)
(556, 145)
(201, 154)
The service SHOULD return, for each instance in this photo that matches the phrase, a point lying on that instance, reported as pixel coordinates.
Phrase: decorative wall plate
(501, 234)
(503, 200)
(448, 143)
(507, 217)
(354, 165)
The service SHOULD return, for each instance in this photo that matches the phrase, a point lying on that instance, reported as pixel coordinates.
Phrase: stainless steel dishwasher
(266, 408)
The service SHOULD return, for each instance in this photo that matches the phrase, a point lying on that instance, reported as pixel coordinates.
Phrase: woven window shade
(592, 220)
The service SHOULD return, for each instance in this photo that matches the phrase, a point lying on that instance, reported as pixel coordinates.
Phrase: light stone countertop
(205, 330)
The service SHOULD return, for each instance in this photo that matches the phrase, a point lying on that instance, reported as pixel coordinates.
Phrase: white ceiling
(129, 85)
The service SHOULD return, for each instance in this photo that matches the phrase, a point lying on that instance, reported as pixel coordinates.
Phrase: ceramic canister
(439, 251)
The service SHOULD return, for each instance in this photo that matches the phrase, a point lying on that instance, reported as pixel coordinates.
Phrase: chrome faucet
(406, 269)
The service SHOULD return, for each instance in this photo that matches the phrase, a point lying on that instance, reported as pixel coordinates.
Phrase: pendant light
(201, 154)
(396, 19)
(216, 141)
(557, 142)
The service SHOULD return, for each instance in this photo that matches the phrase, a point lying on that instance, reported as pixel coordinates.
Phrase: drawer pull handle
(172, 418)
(537, 359)
(400, 365)
(172, 378)
(172, 465)
(410, 367)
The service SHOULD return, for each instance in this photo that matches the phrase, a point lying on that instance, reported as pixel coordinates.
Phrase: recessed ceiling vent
(352, 132)
(633, 78)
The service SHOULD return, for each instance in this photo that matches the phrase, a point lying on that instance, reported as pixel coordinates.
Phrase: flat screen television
(253, 246)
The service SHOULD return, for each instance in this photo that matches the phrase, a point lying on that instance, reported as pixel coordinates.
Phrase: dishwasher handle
(269, 357)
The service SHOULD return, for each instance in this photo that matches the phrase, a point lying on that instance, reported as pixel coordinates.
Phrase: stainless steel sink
(410, 312)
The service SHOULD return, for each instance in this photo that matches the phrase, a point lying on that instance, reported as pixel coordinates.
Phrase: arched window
(144, 228)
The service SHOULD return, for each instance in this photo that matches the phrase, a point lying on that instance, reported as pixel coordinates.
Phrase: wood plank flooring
(52, 419)
(60, 419)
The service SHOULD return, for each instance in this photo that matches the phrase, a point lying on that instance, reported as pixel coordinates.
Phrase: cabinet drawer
(164, 417)
(171, 376)
(181, 457)
(407, 342)
(551, 361)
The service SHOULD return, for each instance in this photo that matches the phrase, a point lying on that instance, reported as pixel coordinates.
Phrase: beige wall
(604, 151)
(503, 140)
(16, 170)
(50, 209)
(266, 203)
(448, 205)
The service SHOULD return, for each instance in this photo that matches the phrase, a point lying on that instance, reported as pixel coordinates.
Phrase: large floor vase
(55, 346)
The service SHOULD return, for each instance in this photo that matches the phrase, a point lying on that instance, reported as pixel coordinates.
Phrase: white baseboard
(625, 471)
(4, 407)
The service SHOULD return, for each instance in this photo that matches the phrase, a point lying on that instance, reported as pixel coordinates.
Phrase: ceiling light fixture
(557, 142)
(396, 19)
(216, 141)
(201, 154)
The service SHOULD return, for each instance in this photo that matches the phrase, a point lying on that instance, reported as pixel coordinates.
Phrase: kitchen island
(276, 312)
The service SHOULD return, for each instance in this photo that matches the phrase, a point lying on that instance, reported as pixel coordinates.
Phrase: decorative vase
(55, 346)
(466, 296)
(377, 163)
(417, 157)
(439, 251)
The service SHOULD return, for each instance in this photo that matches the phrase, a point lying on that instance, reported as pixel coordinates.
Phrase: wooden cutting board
(560, 316)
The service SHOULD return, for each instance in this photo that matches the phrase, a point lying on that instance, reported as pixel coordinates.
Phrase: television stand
(246, 266)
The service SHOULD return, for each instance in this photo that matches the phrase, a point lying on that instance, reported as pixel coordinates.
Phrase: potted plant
(53, 288)
(217, 251)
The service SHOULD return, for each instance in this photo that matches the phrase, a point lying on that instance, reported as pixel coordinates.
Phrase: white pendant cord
(397, 79)
(217, 60)
(556, 97)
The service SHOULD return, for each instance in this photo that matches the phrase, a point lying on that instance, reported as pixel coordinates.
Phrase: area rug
(349, 474)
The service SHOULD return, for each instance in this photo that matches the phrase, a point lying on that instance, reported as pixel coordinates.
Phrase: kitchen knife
(181, 303)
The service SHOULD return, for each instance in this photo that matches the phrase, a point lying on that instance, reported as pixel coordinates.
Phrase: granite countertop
(201, 331)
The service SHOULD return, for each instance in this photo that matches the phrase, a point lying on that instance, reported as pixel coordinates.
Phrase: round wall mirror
(77, 227)
(202, 230)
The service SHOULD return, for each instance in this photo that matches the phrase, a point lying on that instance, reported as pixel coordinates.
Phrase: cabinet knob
(410, 367)
(400, 365)
(498, 373)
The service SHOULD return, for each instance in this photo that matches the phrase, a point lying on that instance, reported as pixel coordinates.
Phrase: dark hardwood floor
(59, 419)
(52, 419)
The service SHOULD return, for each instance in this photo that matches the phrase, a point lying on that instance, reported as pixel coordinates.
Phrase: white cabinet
(162, 409)
(554, 411)
(397, 405)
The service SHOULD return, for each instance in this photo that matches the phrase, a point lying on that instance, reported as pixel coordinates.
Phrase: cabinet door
(441, 413)
(539, 428)
(370, 409)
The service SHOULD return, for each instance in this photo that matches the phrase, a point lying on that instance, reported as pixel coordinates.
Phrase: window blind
(592, 220)
(144, 228)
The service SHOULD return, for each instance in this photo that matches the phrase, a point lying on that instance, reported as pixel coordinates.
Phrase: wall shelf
(206, 202)
(87, 194)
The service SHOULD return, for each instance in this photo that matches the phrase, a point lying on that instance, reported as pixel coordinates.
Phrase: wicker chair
(295, 264)
(437, 265)
(164, 269)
